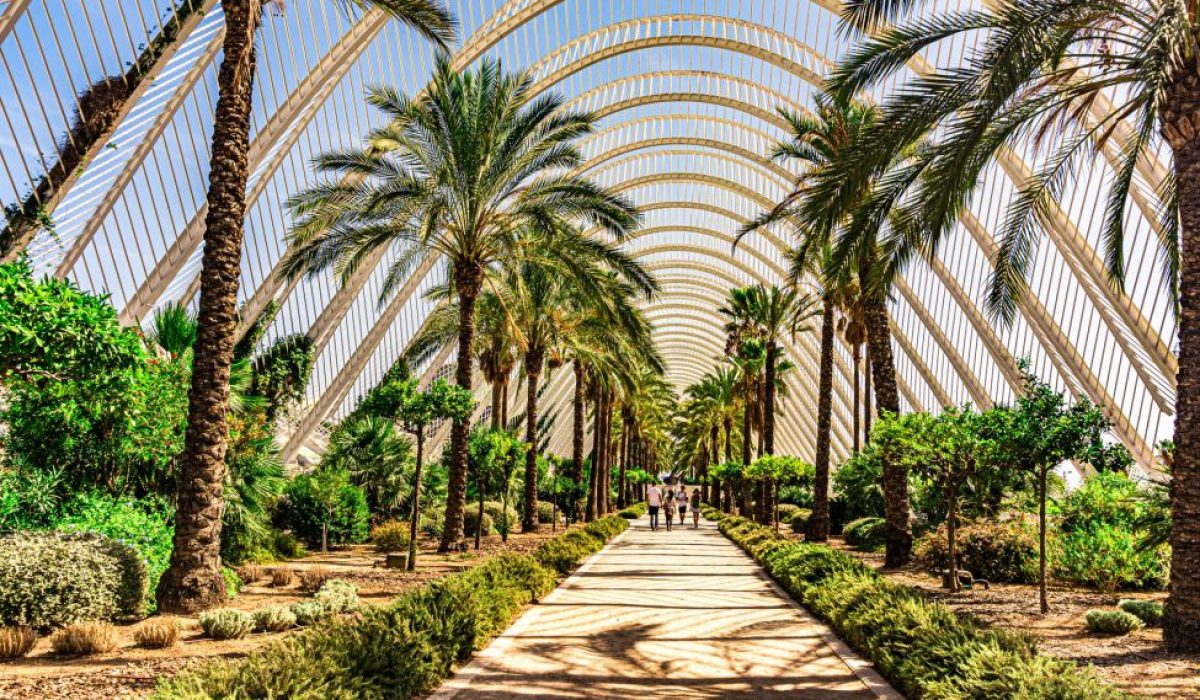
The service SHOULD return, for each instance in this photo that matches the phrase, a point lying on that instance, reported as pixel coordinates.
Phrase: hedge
(634, 511)
(923, 648)
(401, 650)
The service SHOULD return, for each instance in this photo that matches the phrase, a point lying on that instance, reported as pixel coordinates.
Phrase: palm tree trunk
(595, 484)
(1181, 624)
(817, 529)
(746, 434)
(769, 400)
(497, 414)
(193, 580)
(416, 504)
(895, 476)
(857, 351)
(626, 428)
(717, 501)
(533, 374)
(468, 278)
(868, 411)
(728, 439)
(577, 435)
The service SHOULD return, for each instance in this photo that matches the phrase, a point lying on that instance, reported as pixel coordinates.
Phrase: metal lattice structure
(686, 92)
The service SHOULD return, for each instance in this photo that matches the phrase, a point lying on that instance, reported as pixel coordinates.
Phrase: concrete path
(681, 614)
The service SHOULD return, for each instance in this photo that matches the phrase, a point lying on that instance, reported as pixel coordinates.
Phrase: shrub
(799, 519)
(865, 533)
(249, 573)
(786, 511)
(1112, 622)
(401, 650)
(471, 523)
(16, 642)
(51, 579)
(312, 579)
(287, 546)
(564, 553)
(281, 577)
(156, 633)
(432, 522)
(635, 511)
(274, 618)
(146, 525)
(337, 596)
(922, 647)
(1109, 558)
(858, 481)
(308, 613)
(1005, 552)
(233, 582)
(546, 512)
(325, 501)
(495, 510)
(1147, 611)
(226, 623)
(391, 536)
(85, 638)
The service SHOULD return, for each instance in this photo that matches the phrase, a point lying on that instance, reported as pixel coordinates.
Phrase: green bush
(1001, 552)
(858, 481)
(606, 528)
(52, 579)
(495, 510)
(634, 511)
(432, 522)
(309, 613)
(546, 512)
(325, 498)
(471, 522)
(1112, 622)
(226, 623)
(401, 650)
(1109, 558)
(274, 618)
(865, 533)
(923, 648)
(563, 554)
(1147, 611)
(147, 525)
(798, 520)
(337, 596)
(391, 536)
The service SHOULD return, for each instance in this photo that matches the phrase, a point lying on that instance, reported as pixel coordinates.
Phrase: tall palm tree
(463, 172)
(816, 139)
(193, 581)
(1039, 68)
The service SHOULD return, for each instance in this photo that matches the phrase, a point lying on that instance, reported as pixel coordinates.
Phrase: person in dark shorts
(654, 498)
(681, 502)
(695, 508)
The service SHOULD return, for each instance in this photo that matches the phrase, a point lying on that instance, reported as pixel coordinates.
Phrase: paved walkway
(682, 614)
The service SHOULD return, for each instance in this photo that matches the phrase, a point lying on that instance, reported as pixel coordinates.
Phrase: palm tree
(1045, 69)
(377, 458)
(193, 581)
(463, 172)
(814, 141)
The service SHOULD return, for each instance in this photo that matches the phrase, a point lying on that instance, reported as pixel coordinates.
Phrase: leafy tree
(324, 508)
(948, 449)
(494, 456)
(1040, 433)
(50, 330)
(281, 372)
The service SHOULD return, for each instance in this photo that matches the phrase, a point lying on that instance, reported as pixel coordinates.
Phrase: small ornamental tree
(947, 449)
(1040, 432)
(493, 456)
(730, 473)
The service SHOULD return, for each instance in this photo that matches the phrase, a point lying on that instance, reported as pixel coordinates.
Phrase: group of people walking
(670, 502)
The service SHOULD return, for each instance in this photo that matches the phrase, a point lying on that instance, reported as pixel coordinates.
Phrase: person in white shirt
(669, 507)
(654, 501)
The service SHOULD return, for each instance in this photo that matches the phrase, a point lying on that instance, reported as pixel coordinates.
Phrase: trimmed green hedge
(401, 650)
(634, 511)
(923, 648)
(563, 553)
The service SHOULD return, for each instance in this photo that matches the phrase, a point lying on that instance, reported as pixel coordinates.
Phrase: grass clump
(84, 639)
(312, 579)
(1115, 622)
(1147, 611)
(17, 641)
(282, 577)
(156, 633)
(226, 623)
(274, 618)
(391, 536)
